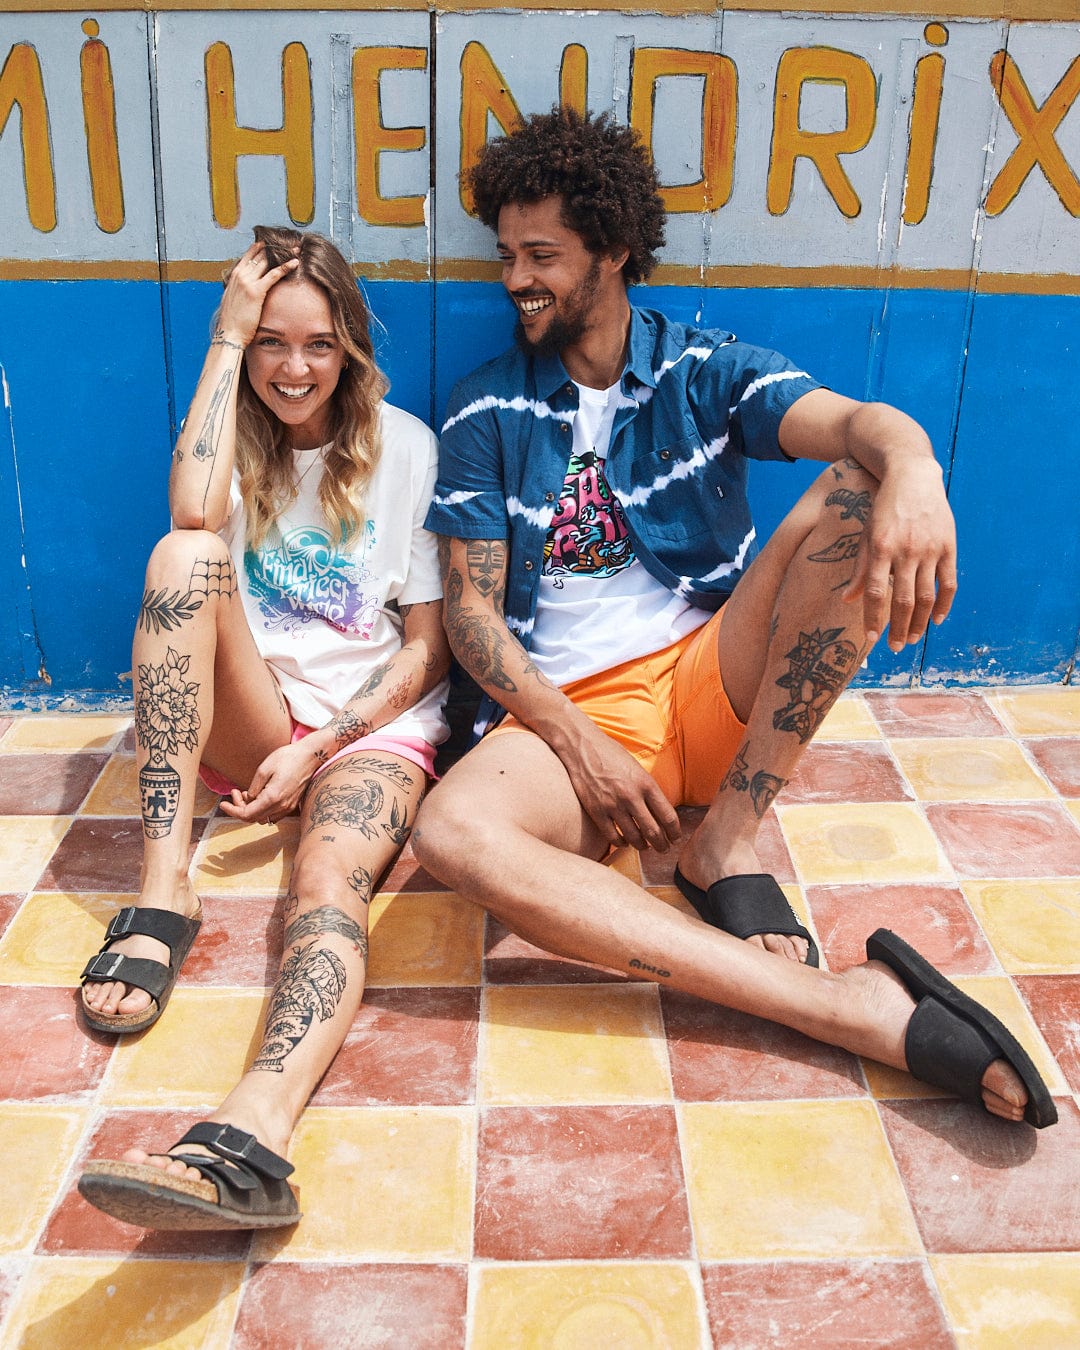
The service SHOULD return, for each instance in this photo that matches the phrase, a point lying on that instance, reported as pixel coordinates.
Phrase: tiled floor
(514, 1150)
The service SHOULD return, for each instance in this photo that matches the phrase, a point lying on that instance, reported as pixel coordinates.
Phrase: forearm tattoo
(220, 340)
(311, 984)
(209, 436)
(821, 664)
(476, 643)
(762, 787)
(348, 727)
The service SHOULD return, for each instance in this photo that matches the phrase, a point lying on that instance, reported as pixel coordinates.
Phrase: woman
(297, 590)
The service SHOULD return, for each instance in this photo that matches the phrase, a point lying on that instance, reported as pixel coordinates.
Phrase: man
(597, 547)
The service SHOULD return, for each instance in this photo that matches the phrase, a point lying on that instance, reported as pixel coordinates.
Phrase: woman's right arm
(203, 459)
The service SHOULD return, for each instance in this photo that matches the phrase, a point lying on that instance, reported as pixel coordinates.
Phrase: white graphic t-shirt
(325, 615)
(598, 606)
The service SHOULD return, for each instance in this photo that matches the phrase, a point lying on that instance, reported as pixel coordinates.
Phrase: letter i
(925, 116)
(99, 116)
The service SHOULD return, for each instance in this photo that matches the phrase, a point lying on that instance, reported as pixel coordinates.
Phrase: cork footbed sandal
(243, 1186)
(176, 931)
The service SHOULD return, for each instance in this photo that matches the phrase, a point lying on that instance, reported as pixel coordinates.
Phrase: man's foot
(245, 1109)
(702, 868)
(114, 998)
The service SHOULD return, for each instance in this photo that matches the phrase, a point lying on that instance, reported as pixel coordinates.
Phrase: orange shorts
(671, 711)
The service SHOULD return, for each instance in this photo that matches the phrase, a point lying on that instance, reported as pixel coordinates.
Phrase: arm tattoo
(372, 682)
(822, 663)
(220, 340)
(486, 559)
(347, 727)
(311, 984)
(325, 919)
(398, 695)
(206, 445)
(476, 644)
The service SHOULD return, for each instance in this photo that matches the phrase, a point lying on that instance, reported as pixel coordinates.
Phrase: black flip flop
(747, 905)
(951, 1040)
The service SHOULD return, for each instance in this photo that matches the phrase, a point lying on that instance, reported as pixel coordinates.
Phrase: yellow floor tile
(192, 1056)
(1034, 926)
(983, 768)
(775, 1180)
(1074, 810)
(628, 862)
(53, 936)
(1050, 711)
(116, 792)
(849, 719)
(170, 1305)
(240, 859)
(26, 845)
(38, 1143)
(997, 993)
(581, 1043)
(424, 938)
(381, 1184)
(1011, 1300)
(650, 1306)
(881, 841)
(69, 732)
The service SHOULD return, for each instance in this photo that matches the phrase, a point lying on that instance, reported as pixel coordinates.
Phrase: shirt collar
(550, 373)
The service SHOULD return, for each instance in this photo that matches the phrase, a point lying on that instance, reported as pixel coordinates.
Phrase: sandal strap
(137, 971)
(947, 1050)
(172, 929)
(239, 1148)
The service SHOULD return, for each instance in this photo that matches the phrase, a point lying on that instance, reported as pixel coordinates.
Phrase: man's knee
(448, 836)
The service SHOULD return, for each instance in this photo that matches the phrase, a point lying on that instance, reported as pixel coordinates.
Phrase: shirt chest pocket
(675, 492)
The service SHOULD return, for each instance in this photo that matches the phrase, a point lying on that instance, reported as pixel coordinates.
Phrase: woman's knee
(196, 560)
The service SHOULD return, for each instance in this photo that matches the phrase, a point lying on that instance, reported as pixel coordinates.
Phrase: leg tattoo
(822, 662)
(166, 720)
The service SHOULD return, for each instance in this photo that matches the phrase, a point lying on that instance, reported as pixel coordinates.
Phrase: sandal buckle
(121, 922)
(220, 1143)
(104, 966)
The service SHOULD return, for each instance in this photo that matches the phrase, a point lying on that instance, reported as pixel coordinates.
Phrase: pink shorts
(412, 748)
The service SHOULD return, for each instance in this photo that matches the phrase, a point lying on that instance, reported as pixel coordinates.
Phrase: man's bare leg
(506, 831)
(789, 645)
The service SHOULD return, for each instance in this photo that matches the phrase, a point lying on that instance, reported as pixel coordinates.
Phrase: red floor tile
(239, 942)
(936, 920)
(47, 785)
(408, 1047)
(722, 1056)
(979, 1185)
(657, 868)
(1059, 759)
(953, 714)
(76, 1228)
(841, 772)
(99, 854)
(509, 959)
(1019, 840)
(9, 907)
(48, 1054)
(824, 1305)
(580, 1182)
(1054, 1001)
(374, 1307)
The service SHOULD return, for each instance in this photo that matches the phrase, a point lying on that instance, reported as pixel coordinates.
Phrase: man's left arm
(906, 568)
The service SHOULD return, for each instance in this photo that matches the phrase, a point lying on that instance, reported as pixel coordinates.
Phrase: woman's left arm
(401, 681)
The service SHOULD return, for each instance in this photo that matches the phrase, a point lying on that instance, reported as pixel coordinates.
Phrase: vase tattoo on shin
(166, 721)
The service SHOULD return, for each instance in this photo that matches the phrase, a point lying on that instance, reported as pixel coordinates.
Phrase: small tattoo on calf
(763, 790)
(311, 984)
(161, 612)
(854, 505)
(736, 778)
(842, 549)
(822, 662)
(635, 964)
(360, 882)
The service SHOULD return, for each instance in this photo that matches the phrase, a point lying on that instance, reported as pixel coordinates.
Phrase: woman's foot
(114, 998)
(246, 1109)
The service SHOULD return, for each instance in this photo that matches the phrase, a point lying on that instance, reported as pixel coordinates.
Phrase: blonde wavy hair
(263, 452)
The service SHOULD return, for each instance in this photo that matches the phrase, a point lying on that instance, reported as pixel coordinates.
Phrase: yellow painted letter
(822, 65)
(483, 91)
(1035, 127)
(372, 137)
(292, 140)
(21, 83)
(574, 78)
(99, 116)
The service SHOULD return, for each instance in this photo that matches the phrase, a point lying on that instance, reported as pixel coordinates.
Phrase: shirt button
(528, 566)
(564, 428)
(665, 454)
(549, 496)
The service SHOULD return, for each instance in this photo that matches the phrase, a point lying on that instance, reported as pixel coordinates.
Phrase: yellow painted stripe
(1047, 11)
(765, 277)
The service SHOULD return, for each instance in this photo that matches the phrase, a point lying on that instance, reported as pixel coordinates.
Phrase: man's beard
(568, 327)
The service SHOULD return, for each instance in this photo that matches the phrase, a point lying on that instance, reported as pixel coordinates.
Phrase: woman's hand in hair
(245, 292)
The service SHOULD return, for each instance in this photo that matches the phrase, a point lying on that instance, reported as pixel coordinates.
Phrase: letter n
(483, 91)
(21, 83)
(292, 140)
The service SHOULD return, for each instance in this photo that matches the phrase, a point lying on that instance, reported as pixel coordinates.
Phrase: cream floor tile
(776, 1180)
(116, 792)
(997, 993)
(852, 842)
(586, 1306)
(424, 938)
(192, 1056)
(1011, 1300)
(1050, 711)
(53, 936)
(380, 1184)
(578, 1043)
(239, 859)
(969, 768)
(67, 732)
(849, 719)
(26, 845)
(1033, 926)
(38, 1143)
(170, 1305)
(1074, 810)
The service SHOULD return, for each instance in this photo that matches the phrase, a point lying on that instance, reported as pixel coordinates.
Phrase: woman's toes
(1003, 1091)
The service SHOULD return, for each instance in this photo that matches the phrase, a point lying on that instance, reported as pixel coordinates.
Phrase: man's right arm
(623, 800)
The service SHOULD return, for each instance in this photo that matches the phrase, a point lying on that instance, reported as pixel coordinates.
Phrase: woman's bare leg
(193, 658)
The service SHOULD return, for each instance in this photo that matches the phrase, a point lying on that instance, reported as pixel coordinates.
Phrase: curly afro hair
(601, 170)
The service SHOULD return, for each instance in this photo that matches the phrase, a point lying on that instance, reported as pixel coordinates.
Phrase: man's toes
(780, 944)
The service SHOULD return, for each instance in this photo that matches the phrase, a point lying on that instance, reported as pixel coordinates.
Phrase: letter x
(1035, 126)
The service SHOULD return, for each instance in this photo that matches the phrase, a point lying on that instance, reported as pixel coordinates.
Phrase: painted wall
(892, 200)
